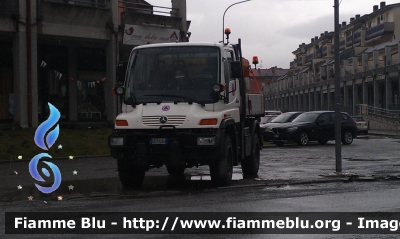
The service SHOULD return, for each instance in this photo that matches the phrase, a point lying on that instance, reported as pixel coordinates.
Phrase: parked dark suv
(314, 126)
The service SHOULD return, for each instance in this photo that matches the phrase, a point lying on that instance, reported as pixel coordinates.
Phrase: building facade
(369, 67)
(65, 52)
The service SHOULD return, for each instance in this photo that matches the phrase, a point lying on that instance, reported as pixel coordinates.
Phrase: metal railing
(131, 6)
(390, 115)
(86, 3)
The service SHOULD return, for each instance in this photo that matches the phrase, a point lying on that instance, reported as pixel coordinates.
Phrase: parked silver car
(362, 125)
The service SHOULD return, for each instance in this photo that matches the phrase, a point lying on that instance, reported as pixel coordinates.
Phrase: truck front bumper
(196, 146)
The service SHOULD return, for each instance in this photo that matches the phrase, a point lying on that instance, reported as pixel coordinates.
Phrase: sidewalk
(384, 132)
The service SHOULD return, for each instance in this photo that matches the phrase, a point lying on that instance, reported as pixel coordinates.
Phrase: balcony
(309, 57)
(349, 41)
(9, 6)
(318, 53)
(324, 51)
(300, 61)
(86, 3)
(347, 54)
(342, 45)
(357, 37)
(381, 29)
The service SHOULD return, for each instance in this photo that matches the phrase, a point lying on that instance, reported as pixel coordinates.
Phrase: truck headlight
(205, 140)
(117, 141)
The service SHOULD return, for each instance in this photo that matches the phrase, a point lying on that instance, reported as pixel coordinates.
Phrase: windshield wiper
(190, 100)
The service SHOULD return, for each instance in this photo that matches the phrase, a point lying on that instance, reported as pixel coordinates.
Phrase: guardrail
(86, 3)
(390, 115)
(146, 8)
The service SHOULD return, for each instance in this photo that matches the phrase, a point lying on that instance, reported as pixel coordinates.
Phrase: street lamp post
(223, 18)
(338, 116)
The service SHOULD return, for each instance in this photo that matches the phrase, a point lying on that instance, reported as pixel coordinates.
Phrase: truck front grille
(174, 120)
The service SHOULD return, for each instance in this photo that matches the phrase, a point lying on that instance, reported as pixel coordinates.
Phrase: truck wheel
(251, 163)
(221, 170)
(129, 175)
(176, 171)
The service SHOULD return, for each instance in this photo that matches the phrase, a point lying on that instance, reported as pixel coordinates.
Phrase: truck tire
(251, 163)
(176, 171)
(221, 170)
(129, 175)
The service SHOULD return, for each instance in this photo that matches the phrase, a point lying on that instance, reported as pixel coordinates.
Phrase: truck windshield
(173, 74)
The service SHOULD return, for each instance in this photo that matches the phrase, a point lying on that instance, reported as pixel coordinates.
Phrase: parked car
(282, 118)
(269, 115)
(314, 126)
(362, 125)
(267, 119)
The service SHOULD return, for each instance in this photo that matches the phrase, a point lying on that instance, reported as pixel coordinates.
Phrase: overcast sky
(269, 29)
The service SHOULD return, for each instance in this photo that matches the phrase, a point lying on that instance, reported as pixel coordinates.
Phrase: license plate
(276, 136)
(158, 141)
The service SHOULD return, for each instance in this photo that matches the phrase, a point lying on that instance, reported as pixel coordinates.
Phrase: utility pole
(338, 116)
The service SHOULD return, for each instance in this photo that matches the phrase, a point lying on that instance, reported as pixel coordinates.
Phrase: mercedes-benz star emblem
(163, 119)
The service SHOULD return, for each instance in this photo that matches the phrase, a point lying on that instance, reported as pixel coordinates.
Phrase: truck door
(231, 83)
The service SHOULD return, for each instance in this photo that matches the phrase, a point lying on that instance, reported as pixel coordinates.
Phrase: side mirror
(236, 69)
(321, 121)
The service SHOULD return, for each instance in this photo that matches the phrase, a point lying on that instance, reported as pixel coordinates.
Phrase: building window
(91, 64)
(52, 81)
(6, 83)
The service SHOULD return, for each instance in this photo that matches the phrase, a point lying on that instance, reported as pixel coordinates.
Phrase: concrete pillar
(112, 50)
(376, 92)
(111, 99)
(73, 89)
(398, 55)
(375, 58)
(388, 56)
(388, 88)
(20, 73)
(298, 106)
(364, 91)
(345, 95)
(355, 96)
(179, 10)
(34, 64)
(322, 99)
(354, 68)
(328, 97)
(388, 92)
(364, 60)
(315, 99)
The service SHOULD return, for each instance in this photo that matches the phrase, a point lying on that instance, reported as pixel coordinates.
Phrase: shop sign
(140, 35)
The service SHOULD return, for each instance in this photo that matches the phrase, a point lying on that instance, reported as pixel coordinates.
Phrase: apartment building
(369, 66)
(65, 52)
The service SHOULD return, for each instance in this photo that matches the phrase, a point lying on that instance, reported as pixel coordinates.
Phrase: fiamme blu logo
(44, 139)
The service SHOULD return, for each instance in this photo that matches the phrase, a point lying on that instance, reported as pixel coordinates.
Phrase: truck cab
(182, 106)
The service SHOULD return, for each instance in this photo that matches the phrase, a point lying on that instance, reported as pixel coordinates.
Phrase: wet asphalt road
(368, 158)
(291, 178)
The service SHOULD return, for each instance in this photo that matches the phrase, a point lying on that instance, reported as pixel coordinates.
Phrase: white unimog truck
(185, 105)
